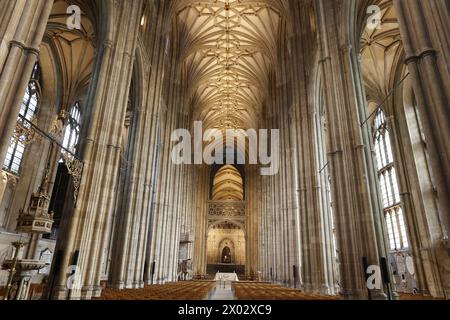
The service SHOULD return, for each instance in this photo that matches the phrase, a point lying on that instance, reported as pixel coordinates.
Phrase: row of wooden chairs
(187, 290)
(268, 291)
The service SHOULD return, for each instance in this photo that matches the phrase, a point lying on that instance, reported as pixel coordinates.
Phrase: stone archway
(226, 248)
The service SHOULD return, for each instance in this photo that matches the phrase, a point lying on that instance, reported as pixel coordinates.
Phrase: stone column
(202, 185)
(353, 197)
(418, 199)
(135, 210)
(424, 30)
(253, 188)
(166, 230)
(313, 218)
(19, 50)
(89, 227)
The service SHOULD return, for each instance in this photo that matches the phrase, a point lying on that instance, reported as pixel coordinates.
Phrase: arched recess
(226, 234)
(226, 219)
(226, 254)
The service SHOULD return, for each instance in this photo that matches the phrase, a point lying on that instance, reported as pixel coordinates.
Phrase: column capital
(413, 58)
(22, 46)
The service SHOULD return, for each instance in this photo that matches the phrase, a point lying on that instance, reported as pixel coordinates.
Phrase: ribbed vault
(381, 52)
(228, 185)
(227, 49)
(75, 50)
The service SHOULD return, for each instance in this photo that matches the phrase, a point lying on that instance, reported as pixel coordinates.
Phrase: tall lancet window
(389, 184)
(28, 111)
(73, 128)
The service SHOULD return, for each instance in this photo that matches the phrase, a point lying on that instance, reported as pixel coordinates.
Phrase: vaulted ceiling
(381, 51)
(75, 50)
(228, 185)
(228, 49)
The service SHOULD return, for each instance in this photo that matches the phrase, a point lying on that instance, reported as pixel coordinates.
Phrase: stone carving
(185, 270)
(75, 168)
(36, 219)
(25, 132)
(57, 126)
(223, 209)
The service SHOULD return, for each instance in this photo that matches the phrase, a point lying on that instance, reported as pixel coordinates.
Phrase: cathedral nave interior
(348, 201)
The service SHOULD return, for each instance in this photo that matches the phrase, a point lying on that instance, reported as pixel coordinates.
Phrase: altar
(226, 277)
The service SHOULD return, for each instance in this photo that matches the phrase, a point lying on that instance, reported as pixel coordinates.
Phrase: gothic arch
(133, 130)
(226, 243)
(228, 184)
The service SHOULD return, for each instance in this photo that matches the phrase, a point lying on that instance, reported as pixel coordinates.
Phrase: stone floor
(222, 291)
